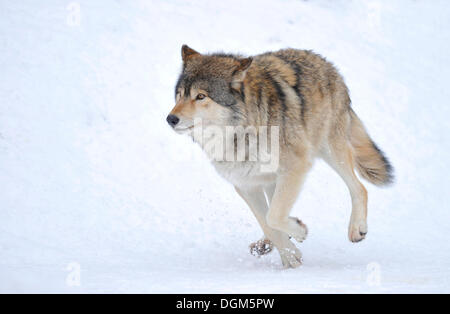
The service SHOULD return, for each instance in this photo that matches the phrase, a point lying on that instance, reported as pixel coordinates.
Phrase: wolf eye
(201, 96)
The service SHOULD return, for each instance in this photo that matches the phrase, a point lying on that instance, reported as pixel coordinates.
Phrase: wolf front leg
(288, 186)
(264, 246)
(256, 200)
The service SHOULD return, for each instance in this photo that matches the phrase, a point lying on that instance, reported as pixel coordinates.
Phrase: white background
(91, 176)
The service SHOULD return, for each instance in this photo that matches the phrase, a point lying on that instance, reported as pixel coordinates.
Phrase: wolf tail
(371, 163)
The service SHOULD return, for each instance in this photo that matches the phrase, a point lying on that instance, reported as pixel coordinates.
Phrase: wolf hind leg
(341, 158)
(256, 200)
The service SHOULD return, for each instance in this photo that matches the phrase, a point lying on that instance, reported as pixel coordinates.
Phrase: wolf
(304, 96)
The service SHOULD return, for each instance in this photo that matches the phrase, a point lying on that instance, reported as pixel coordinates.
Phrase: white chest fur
(243, 173)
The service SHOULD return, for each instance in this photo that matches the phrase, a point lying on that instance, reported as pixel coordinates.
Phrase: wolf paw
(301, 230)
(357, 231)
(291, 257)
(261, 247)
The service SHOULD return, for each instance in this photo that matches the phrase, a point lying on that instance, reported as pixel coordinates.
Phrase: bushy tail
(371, 163)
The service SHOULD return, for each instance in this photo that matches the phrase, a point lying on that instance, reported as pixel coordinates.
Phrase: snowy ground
(92, 177)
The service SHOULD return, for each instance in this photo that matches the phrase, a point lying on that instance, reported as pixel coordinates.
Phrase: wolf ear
(187, 53)
(244, 64)
(240, 72)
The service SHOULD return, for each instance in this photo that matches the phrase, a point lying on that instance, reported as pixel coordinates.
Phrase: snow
(99, 195)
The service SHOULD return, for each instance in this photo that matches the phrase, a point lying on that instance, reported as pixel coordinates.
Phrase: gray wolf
(305, 97)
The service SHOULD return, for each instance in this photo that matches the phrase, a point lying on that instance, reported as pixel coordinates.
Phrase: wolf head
(209, 88)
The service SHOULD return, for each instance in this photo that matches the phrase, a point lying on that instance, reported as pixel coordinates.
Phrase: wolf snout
(172, 120)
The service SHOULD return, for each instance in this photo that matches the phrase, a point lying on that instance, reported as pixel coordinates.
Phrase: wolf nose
(172, 120)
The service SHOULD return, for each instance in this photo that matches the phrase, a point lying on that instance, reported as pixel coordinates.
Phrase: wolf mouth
(184, 129)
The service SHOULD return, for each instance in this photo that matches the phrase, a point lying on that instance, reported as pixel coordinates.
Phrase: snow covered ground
(99, 195)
